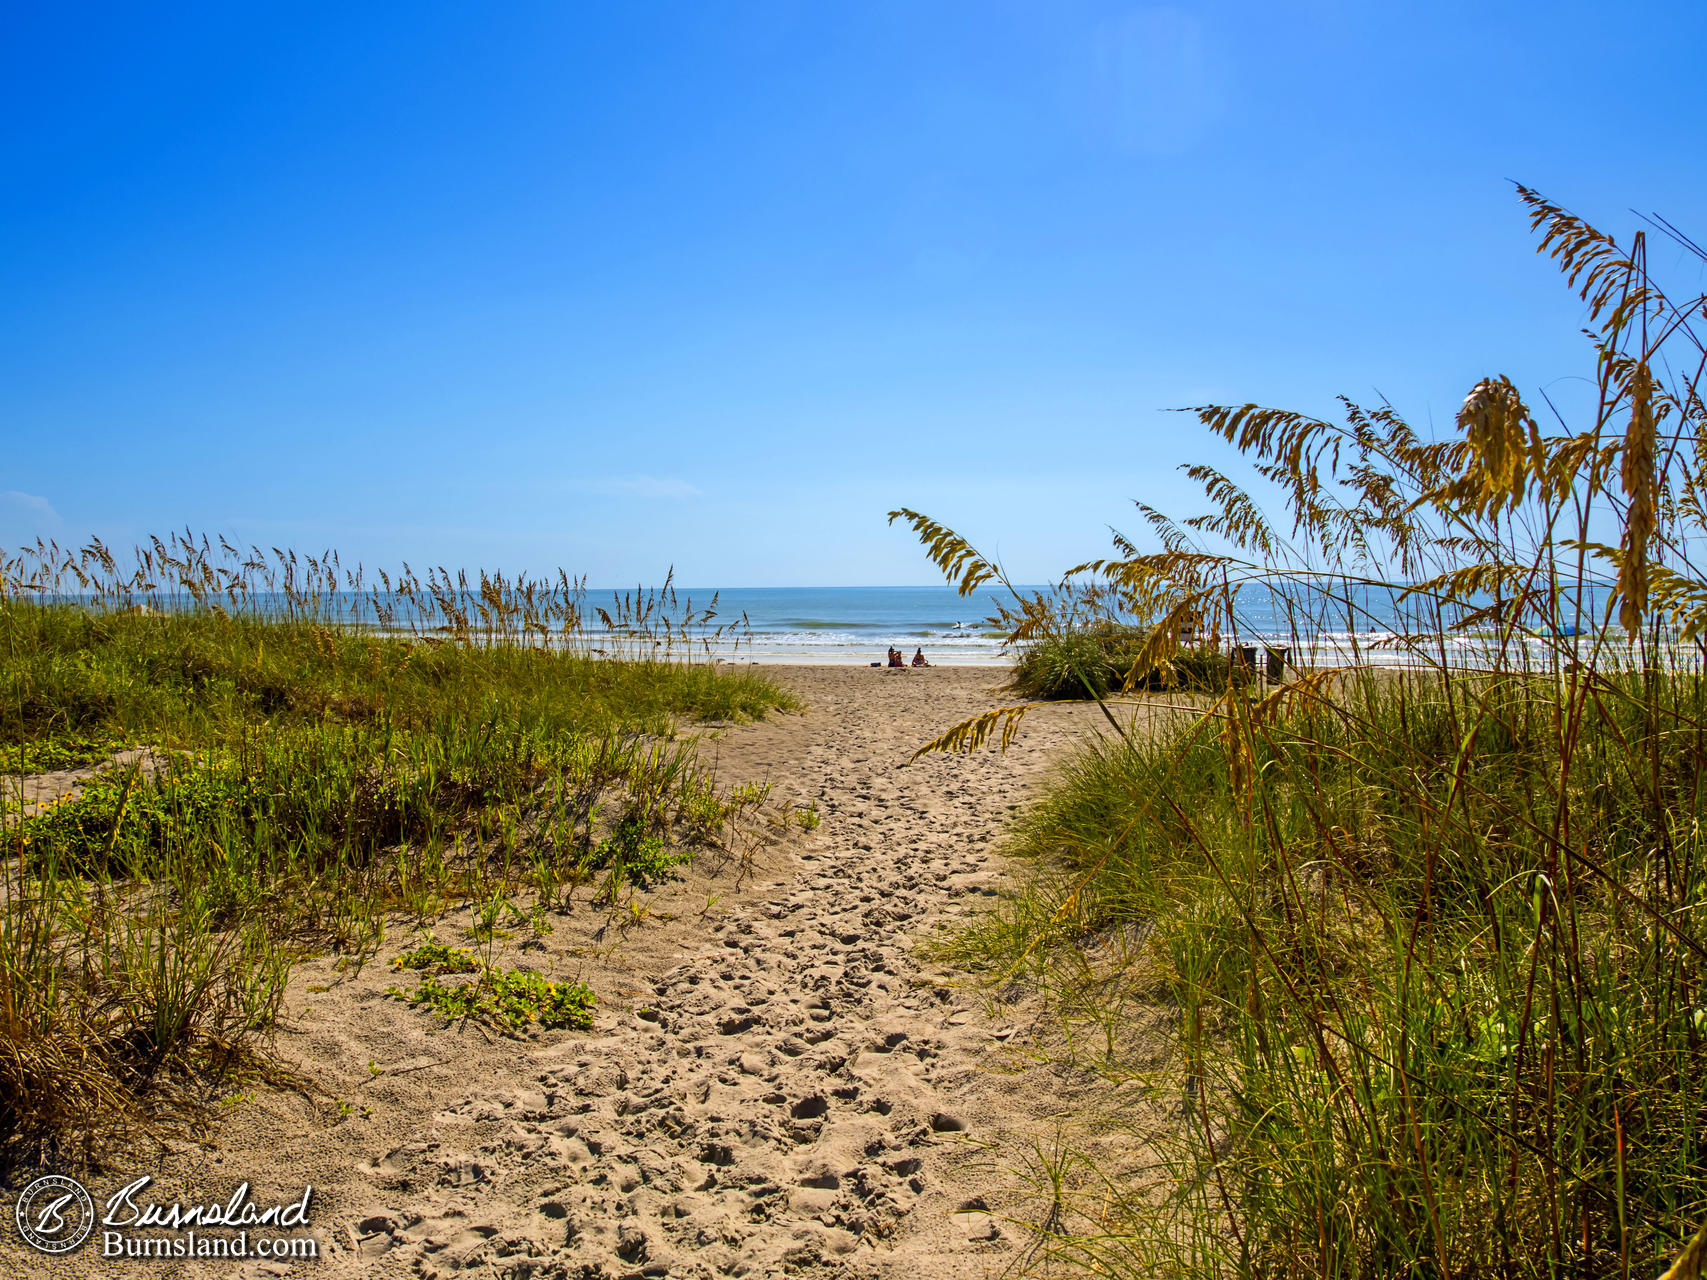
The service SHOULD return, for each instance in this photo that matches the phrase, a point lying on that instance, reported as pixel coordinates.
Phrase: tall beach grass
(1403, 956)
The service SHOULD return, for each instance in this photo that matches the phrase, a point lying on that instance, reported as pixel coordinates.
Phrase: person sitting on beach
(919, 658)
(895, 659)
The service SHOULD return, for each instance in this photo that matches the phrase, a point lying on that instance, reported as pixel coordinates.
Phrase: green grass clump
(1092, 661)
(1073, 664)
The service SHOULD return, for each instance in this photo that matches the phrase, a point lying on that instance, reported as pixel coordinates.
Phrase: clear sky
(621, 286)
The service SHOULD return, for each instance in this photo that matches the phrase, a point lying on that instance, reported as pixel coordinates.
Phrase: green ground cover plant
(57, 752)
(507, 998)
(1405, 955)
(311, 762)
(438, 957)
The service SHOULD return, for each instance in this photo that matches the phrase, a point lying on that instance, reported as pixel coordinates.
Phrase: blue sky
(625, 286)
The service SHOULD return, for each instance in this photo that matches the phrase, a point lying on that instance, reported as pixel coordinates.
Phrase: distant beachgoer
(896, 659)
(919, 658)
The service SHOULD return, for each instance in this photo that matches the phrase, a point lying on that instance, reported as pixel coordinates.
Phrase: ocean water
(847, 625)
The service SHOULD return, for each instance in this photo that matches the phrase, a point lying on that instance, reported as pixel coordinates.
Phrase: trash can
(1277, 660)
(1245, 658)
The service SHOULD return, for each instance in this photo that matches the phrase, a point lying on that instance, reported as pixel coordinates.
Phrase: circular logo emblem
(55, 1214)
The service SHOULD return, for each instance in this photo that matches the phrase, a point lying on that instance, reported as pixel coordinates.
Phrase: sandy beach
(776, 1083)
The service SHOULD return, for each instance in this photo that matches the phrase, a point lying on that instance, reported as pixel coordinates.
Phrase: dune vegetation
(1079, 660)
(295, 761)
(1396, 966)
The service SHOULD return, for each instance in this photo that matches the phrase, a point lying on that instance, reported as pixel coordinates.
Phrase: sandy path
(796, 1097)
(790, 1090)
